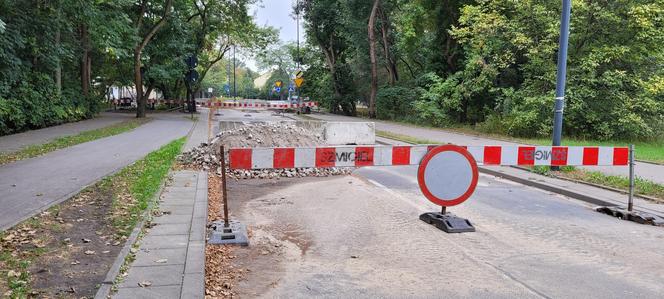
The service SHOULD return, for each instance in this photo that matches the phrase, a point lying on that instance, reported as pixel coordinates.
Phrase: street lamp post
(561, 73)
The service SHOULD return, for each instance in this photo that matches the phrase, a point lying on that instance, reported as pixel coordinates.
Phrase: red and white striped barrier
(150, 101)
(354, 156)
(258, 105)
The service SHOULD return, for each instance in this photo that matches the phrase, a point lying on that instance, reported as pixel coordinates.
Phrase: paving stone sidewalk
(171, 256)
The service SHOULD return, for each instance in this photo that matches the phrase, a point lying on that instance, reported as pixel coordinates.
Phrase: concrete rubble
(206, 155)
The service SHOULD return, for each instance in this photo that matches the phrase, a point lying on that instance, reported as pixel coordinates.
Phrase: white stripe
(605, 156)
(305, 157)
(542, 155)
(478, 154)
(509, 155)
(345, 156)
(382, 155)
(417, 153)
(575, 155)
(262, 158)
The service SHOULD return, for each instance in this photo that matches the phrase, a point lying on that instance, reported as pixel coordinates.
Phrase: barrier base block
(448, 222)
(234, 234)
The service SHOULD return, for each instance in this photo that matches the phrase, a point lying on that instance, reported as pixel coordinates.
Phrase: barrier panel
(217, 104)
(356, 156)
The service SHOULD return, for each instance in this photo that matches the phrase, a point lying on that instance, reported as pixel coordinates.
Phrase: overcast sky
(276, 13)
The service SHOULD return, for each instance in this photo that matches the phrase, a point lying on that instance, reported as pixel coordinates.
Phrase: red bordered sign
(447, 175)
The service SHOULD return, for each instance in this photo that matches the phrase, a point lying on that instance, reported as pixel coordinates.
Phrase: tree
(372, 54)
(146, 28)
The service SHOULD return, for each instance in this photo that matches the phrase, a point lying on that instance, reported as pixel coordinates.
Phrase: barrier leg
(630, 203)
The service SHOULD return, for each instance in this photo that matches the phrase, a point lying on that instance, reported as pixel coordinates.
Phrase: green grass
(67, 141)
(142, 180)
(404, 138)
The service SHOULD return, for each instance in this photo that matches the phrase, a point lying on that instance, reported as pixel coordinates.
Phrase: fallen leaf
(161, 261)
(67, 240)
(75, 262)
(133, 250)
(106, 251)
(40, 194)
(145, 284)
(85, 240)
(89, 252)
(13, 273)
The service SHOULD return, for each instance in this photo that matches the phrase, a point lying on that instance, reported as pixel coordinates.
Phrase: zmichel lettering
(544, 155)
(347, 157)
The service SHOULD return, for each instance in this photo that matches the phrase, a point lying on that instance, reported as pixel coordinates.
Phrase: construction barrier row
(258, 105)
(225, 104)
(354, 156)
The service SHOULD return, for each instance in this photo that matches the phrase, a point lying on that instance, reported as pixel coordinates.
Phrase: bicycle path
(30, 186)
(16, 142)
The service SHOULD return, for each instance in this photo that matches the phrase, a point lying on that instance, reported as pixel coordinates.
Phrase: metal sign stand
(227, 232)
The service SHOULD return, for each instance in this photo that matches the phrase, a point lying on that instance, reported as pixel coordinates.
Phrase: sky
(276, 13)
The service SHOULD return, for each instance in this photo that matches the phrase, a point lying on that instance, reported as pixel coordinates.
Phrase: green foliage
(395, 102)
(492, 63)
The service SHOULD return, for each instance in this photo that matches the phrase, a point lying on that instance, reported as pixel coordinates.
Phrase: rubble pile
(276, 134)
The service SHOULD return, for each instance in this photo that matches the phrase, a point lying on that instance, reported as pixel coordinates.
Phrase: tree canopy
(492, 63)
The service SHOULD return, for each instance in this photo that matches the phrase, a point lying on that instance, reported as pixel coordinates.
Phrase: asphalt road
(32, 185)
(647, 171)
(359, 236)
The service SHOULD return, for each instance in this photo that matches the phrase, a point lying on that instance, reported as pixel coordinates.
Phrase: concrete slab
(162, 242)
(195, 262)
(177, 209)
(170, 229)
(191, 286)
(157, 275)
(173, 256)
(162, 292)
(172, 219)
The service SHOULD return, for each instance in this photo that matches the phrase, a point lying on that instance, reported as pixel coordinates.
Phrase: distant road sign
(277, 89)
(447, 175)
(278, 83)
(298, 82)
(298, 74)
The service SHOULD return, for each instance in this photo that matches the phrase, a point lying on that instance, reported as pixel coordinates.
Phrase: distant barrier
(218, 104)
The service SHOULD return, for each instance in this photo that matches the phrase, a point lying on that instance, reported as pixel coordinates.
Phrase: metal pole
(223, 185)
(630, 203)
(561, 73)
(234, 71)
(443, 210)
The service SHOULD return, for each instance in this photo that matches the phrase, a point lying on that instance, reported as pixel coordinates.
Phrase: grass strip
(404, 138)
(641, 186)
(67, 141)
(122, 198)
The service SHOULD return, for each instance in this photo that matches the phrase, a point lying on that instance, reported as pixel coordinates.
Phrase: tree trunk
(138, 82)
(390, 61)
(85, 61)
(372, 56)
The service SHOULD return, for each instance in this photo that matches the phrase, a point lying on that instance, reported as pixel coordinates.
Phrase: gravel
(206, 155)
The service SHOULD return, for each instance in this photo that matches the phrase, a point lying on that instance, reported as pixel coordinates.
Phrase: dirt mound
(276, 134)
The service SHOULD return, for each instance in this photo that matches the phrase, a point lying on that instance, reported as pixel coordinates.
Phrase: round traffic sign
(447, 175)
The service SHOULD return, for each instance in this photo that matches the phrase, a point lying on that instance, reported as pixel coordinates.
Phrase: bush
(395, 103)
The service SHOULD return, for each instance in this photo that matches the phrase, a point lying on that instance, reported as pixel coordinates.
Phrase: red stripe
(284, 157)
(526, 155)
(240, 158)
(559, 155)
(620, 156)
(492, 155)
(401, 155)
(364, 156)
(590, 155)
(325, 157)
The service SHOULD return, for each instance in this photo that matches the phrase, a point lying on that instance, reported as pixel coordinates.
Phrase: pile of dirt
(269, 134)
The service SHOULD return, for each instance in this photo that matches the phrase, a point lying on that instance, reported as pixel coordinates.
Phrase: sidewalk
(16, 142)
(651, 172)
(170, 261)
